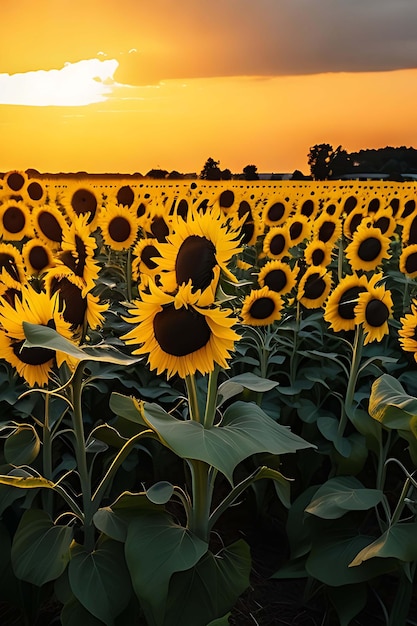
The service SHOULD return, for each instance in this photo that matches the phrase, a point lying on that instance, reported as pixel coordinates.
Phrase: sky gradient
(132, 85)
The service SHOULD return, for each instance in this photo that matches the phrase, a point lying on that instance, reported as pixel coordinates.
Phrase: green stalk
(293, 359)
(81, 456)
(211, 402)
(353, 376)
(192, 398)
(201, 501)
(47, 495)
(129, 275)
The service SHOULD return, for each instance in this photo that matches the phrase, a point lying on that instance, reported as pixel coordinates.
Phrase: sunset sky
(126, 86)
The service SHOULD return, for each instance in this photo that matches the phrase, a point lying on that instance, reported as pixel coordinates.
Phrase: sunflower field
(179, 359)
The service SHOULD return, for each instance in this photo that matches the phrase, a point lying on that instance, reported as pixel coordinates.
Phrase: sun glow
(75, 84)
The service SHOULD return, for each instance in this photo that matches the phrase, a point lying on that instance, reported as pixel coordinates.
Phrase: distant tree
(298, 175)
(319, 159)
(157, 173)
(211, 170)
(174, 175)
(250, 172)
(225, 174)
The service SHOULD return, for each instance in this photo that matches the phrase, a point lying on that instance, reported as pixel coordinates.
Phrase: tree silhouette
(325, 162)
(211, 170)
(250, 172)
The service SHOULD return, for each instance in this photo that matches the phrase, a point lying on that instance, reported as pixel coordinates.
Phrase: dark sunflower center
(125, 195)
(307, 208)
(227, 197)
(411, 263)
(354, 222)
(196, 259)
(348, 301)
(15, 181)
(383, 224)
(314, 286)
(119, 229)
(84, 201)
(376, 313)
(147, 255)
(374, 205)
(409, 207)
(276, 280)
(248, 229)
(159, 229)
(369, 249)
(8, 263)
(74, 305)
(276, 212)
(14, 219)
(262, 308)
(50, 226)
(326, 231)
(277, 244)
(182, 208)
(412, 233)
(35, 191)
(180, 332)
(317, 257)
(141, 210)
(350, 204)
(296, 229)
(38, 258)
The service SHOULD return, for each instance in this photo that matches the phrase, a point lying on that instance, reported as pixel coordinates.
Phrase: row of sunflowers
(297, 299)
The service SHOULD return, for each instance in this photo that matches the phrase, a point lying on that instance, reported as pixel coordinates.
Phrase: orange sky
(97, 91)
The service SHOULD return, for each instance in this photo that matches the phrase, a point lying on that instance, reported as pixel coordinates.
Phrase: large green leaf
(398, 542)
(41, 549)
(45, 337)
(348, 600)
(155, 549)
(244, 430)
(74, 614)
(22, 446)
(210, 589)
(100, 580)
(114, 521)
(334, 550)
(341, 494)
(235, 385)
(390, 404)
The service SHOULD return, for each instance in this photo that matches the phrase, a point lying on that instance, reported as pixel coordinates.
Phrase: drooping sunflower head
(407, 333)
(78, 249)
(314, 287)
(119, 226)
(37, 257)
(49, 225)
(145, 258)
(340, 306)
(178, 334)
(278, 276)
(368, 248)
(374, 308)
(261, 307)
(12, 271)
(15, 221)
(35, 365)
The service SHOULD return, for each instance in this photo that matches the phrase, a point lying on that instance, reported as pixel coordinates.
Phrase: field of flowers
(173, 353)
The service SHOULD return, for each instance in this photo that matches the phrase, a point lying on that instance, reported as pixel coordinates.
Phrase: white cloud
(75, 84)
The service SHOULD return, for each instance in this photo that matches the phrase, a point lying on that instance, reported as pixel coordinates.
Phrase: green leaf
(100, 580)
(160, 493)
(210, 589)
(41, 549)
(245, 430)
(74, 614)
(114, 521)
(155, 549)
(23, 446)
(390, 404)
(26, 482)
(398, 542)
(348, 600)
(236, 384)
(126, 407)
(341, 494)
(45, 337)
(329, 428)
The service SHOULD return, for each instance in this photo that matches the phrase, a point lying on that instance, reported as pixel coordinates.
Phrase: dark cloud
(195, 38)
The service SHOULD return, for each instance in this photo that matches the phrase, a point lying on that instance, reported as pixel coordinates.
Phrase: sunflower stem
(211, 402)
(129, 275)
(353, 376)
(293, 361)
(198, 522)
(81, 456)
(47, 495)
(192, 398)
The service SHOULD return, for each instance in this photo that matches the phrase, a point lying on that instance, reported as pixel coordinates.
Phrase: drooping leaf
(160, 493)
(41, 549)
(155, 549)
(235, 385)
(398, 542)
(113, 521)
(340, 495)
(390, 404)
(23, 446)
(100, 580)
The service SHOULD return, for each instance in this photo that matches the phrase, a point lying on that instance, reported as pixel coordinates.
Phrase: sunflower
(15, 180)
(314, 287)
(408, 261)
(199, 249)
(385, 221)
(119, 226)
(78, 249)
(277, 212)
(49, 224)
(409, 230)
(340, 306)
(125, 196)
(261, 307)
(368, 248)
(276, 242)
(182, 333)
(317, 252)
(82, 200)
(37, 257)
(408, 331)
(249, 223)
(35, 365)
(12, 271)
(79, 307)
(278, 276)
(15, 221)
(146, 256)
(36, 192)
(352, 222)
(327, 228)
(349, 203)
(299, 228)
(308, 207)
(373, 309)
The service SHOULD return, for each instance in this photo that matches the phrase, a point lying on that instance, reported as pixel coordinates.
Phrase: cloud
(75, 84)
